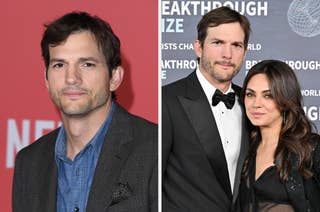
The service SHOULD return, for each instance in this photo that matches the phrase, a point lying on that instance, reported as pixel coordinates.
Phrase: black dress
(266, 194)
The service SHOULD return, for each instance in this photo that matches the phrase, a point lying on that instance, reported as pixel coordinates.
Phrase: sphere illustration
(304, 17)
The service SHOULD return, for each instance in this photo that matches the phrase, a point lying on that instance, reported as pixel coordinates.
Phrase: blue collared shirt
(75, 177)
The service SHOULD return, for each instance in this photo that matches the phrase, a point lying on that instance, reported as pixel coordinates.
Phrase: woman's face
(261, 108)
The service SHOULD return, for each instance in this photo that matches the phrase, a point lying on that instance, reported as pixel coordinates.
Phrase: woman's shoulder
(315, 137)
(315, 140)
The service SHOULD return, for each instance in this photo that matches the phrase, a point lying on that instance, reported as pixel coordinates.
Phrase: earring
(284, 117)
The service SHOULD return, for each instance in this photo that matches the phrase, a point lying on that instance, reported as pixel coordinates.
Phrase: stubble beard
(81, 109)
(209, 67)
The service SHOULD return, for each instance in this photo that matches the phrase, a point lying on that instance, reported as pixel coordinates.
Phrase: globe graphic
(304, 17)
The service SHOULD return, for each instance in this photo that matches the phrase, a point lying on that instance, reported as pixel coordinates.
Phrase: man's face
(78, 76)
(222, 53)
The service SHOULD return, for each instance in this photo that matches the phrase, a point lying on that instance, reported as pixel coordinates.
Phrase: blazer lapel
(48, 177)
(114, 153)
(50, 184)
(199, 113)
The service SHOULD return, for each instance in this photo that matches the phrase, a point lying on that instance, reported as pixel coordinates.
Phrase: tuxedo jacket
(125, 177)
(194, 167)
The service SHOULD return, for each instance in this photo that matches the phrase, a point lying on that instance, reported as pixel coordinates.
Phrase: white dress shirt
(229, 124)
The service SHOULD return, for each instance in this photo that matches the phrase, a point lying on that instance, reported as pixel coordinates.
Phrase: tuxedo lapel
(244, 146)
(200, 115)
(114, 153)
(242, 156)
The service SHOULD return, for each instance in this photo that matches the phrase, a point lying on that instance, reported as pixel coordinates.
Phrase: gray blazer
(125, 178)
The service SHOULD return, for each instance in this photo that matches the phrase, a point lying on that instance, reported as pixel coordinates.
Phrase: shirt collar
(96, 142)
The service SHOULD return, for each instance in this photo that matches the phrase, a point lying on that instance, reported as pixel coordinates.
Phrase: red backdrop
(26, 110)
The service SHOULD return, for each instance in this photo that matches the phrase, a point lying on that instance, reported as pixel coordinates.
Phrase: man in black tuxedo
(102, 158)
(204, 140)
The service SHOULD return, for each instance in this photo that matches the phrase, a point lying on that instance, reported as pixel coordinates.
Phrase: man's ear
(197, 48)
(116, 78)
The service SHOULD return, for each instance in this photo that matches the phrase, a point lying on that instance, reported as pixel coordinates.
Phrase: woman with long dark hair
(282, 170)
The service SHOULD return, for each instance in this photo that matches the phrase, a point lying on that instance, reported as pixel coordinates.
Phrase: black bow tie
(228, 99)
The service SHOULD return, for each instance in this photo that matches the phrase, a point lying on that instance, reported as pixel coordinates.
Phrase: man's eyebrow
(52, 60)
(216, 39)
(83, 59)
(238, 42)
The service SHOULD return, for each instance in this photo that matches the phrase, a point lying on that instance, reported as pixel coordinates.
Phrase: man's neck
(222, 86)
(80, 130)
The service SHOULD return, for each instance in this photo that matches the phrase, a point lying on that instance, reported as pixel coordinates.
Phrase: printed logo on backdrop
(283, 30)
(304, 17)
(178, 27)
(21, 133)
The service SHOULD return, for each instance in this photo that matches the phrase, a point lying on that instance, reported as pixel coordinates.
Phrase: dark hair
(295, 133)
(222, 15)
(59, 30)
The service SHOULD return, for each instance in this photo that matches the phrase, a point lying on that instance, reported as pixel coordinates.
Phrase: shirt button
(76, 209)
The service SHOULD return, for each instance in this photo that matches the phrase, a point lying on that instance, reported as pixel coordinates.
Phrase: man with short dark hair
(102, 158)
(203, 134)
